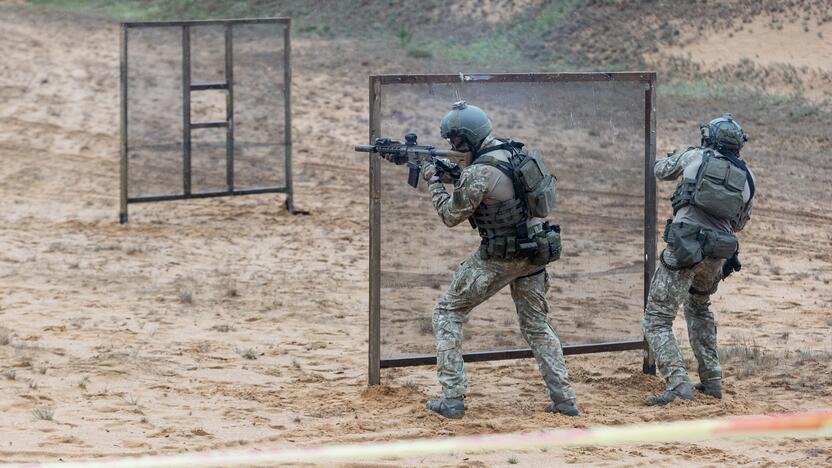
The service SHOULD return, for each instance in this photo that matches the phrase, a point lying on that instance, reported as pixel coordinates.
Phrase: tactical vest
(717, 189)
(534, 197)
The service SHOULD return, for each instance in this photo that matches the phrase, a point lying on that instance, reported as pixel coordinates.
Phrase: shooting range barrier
(814, 424)
(597, 133)
(205, 110)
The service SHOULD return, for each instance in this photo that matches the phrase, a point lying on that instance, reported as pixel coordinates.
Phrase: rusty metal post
(122, 215)
(374, 373)
(229, 107)
(649, 364)
(287, 94)
(186, 110)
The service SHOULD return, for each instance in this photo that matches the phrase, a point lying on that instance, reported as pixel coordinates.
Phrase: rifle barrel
(365, 148)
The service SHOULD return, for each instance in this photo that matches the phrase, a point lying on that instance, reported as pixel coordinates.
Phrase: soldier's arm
(746, 216)
(672, 166)
(467, 196)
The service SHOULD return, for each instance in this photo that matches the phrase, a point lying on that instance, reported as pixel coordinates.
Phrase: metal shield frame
(376, 363)
(187, 88)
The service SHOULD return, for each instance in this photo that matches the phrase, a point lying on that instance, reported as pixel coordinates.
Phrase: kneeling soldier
(504, 193)
(712, 201)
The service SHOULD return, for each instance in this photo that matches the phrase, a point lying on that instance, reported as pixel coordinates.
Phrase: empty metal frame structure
(376, 95)
(187, 126)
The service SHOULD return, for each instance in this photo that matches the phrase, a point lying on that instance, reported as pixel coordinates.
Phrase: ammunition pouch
(717, 244)
(542, 247)
(690, 243)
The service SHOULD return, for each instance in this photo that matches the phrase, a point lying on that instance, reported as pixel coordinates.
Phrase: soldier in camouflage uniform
(515, 249)
(712, 201)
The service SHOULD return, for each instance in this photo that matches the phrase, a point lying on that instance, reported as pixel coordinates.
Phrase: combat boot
(683, 391)
(453, 408)
(567, 408)
(712, 388)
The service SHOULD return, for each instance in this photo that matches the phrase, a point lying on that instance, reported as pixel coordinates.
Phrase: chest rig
(504, 226)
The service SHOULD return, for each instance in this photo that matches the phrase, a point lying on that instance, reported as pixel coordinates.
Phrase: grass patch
(749, 358)
(516, 43)
(248, 353)
(43, 413)
(223, 328)
(695, 89)
(420, 53)
(585, 321)
(136, 10)
(803, 111)
(496, 48)
(425, 325)
(804, 356)
(550, 16)
(186, 297)
(411, 385)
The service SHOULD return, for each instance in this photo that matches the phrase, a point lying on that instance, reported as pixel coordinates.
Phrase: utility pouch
(719, 190)
(718, 244)
(536, 181)
(684, 243)
(548, 245)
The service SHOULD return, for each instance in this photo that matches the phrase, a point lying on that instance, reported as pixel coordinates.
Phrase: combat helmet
(723, 134)
(466, 121)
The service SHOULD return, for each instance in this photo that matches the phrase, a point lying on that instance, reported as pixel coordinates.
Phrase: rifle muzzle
(365, 148)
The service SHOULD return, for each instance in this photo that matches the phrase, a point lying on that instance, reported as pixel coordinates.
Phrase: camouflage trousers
(692, 287)
(476, 280)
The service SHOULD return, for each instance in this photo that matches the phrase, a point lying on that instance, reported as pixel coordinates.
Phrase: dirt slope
(228, 323)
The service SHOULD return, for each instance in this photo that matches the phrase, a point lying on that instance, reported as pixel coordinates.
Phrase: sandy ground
(228, 322)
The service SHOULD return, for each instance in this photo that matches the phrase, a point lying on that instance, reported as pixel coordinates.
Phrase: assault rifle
(414, 156)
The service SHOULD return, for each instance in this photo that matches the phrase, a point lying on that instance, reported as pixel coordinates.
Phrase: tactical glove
(731, 265)
(429, 172)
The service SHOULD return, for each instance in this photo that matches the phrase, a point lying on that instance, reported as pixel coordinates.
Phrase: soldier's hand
(429, 173)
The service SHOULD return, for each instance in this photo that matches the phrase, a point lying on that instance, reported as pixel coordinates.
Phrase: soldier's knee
(698, 311)
(698, 298)
(534, 327)
(655, 319)
(660, 313)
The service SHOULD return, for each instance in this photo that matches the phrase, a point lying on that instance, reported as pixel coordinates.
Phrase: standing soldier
(504, 193)
(712, 201)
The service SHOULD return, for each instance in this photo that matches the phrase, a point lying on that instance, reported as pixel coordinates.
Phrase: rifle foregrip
(413, 171)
